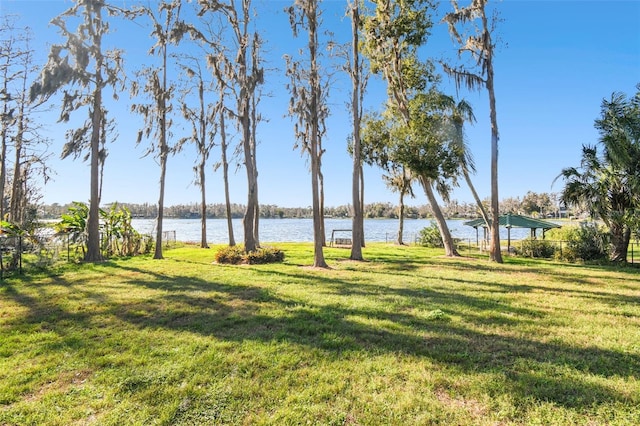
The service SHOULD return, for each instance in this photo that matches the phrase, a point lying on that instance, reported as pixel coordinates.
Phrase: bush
(265, 255)
(430, 236)
(586, 242)
(232, 255)
(537, 248)
(236, 255)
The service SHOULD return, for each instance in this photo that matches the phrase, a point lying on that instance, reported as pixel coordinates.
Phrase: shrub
(233, 255)
(236, 255)
(537, 248)
(586, 242)
(265, 255)
(430, 236)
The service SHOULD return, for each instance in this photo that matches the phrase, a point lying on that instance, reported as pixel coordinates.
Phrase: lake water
(301, 230)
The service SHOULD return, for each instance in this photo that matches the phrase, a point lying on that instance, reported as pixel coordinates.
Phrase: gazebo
(514, 221)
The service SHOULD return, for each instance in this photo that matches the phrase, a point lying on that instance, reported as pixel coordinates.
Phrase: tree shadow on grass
(546, 371)
(239, 313)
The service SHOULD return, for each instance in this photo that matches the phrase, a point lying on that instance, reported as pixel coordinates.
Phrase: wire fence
(546, 248)
(45, 249)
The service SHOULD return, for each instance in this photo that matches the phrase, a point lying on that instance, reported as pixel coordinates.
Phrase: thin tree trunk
(227, 196)
(225, 169)
(483, 211)
(204, 152)
(16, 189)
(164, 154)
(357, 237)
(203, 207)
(321, 189)
(318, 237)
(254, 124)
(3, 148)
(399, 240)
(494, 248)
(362, 203)
(447, 240)
(163, 171)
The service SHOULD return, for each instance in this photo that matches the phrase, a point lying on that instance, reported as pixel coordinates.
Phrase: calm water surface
(301, 230)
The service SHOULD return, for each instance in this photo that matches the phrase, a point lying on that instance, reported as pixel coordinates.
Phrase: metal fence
(48, 248)
(633, 253)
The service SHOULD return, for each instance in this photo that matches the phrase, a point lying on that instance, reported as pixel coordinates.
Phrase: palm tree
(607, 183)
(460, 113)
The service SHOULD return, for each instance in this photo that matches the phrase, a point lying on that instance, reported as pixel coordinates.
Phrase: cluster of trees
(223, 83)
(533, 204)
(417, 137)
(23, 150)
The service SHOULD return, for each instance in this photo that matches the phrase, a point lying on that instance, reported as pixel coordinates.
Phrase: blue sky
(555, 63)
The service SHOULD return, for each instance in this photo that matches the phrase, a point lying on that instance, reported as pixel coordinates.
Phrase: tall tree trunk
(249, 217)
(18, 190)
(321, 189)
(227, 196)
(254, 151)
(5, 128)
(159, 220)
(399, 236)
(318, 234)
(164, 154)
(93, 220)
(203, 206)
(17, 193)
(362, 202)
(248, 221)
(204, 152)
(494, 247)
(357, 227)
(447, 240)
(225, 169)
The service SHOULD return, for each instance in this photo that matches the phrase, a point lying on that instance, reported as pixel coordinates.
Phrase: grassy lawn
(407, 338)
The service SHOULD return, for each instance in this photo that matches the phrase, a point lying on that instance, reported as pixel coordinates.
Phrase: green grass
(407, 337)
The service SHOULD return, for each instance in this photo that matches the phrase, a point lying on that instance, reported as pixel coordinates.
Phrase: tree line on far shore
(532, 204)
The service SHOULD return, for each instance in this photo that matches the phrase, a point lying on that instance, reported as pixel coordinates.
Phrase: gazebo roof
(516, 221)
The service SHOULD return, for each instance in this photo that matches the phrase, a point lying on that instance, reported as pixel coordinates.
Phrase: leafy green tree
(83, 70)
(536, 203)
(393, 33)
(607, 182)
